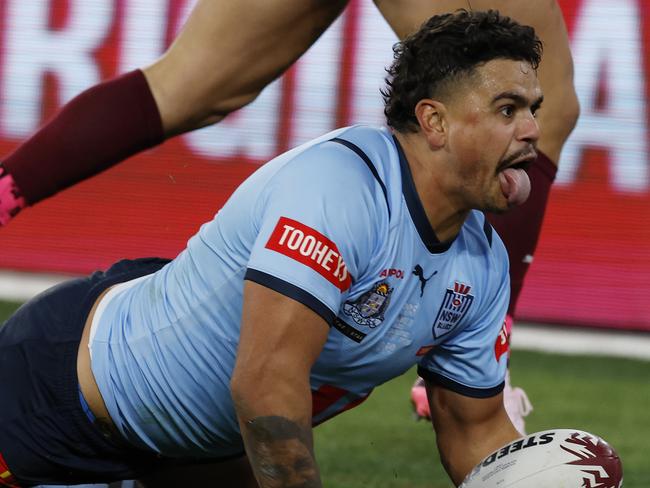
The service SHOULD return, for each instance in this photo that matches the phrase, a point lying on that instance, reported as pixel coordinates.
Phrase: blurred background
(592, 267)
(593, 263)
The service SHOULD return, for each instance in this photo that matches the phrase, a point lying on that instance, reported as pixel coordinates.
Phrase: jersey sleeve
(318, 221)
(474, 361)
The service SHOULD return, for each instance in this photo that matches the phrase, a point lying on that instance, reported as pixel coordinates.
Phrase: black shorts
(45, 435)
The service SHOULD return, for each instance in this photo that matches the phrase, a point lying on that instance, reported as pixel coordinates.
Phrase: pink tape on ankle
(11, 201)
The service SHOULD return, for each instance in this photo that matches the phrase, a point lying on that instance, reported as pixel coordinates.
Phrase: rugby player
(225, 55)
(283, 311)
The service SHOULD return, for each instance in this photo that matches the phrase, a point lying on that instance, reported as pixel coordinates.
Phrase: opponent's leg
(520, 228)
(228, 52)
(225, 55)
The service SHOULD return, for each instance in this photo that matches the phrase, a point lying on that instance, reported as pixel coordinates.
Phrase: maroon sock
(520, 227)
(100, 127)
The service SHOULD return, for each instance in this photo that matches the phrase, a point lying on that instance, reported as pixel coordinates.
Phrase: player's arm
(279, 342)
(467, 429)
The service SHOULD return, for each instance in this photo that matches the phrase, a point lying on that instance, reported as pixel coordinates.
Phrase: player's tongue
(515, 185)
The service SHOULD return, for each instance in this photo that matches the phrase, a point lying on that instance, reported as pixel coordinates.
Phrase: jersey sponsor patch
(370, 307)
(392, 273)
(311, 248)
(454, 307)
(502, 344)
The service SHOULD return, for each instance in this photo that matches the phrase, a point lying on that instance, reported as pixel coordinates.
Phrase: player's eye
(508, 110)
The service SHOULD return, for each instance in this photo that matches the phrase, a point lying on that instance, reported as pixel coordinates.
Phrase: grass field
(379, 445)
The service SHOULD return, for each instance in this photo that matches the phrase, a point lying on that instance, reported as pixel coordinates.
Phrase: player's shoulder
(349, 162)
(373, 153)
(374, 145)
(360, 149)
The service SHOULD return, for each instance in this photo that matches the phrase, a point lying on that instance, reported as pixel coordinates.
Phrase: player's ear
(431, 116)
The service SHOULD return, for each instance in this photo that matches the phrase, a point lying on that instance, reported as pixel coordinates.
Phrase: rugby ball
(559, 458)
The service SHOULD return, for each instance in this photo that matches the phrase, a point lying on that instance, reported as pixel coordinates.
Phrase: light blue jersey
(337, 225)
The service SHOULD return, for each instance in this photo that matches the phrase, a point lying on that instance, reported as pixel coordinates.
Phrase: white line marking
(581, 340)
(21, 286)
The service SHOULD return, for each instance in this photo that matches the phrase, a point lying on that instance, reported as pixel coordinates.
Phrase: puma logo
(419, 272)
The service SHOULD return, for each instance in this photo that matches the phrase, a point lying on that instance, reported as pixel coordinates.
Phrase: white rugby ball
(558, 458)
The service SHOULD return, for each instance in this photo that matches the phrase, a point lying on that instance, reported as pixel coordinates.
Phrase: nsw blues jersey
(337, 225)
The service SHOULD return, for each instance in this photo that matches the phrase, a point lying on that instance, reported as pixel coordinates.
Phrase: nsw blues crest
(369, 308)
(454, 307)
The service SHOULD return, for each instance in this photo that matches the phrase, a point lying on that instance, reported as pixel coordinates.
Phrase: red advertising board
(593, 262)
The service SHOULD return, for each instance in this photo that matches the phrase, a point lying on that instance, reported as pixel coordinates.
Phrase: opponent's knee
(559, 120)
(570, 109)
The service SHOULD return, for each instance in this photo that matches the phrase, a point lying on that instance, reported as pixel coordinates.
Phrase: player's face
(493, 132)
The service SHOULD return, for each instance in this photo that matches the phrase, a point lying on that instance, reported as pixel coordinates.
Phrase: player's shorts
(45, 435)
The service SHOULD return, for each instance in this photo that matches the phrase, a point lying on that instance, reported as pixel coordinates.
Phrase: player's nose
(529, 129)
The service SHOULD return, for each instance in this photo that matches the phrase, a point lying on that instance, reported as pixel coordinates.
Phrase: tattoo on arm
(281, 453)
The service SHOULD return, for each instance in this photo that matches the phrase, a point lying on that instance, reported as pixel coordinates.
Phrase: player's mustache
(526, 153)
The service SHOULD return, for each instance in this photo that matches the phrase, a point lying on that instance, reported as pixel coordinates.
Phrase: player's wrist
(281, 452)
(11, 198)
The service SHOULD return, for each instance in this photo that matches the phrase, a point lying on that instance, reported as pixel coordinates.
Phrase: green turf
(606, 396)
(6, 309)
(378, 445)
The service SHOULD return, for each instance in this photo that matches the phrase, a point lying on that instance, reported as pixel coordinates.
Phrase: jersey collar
(414, 204)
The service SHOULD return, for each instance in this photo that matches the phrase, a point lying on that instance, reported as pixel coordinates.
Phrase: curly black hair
(446, 48)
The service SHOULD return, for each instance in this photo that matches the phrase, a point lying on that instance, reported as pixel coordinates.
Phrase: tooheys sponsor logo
(311, 248)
